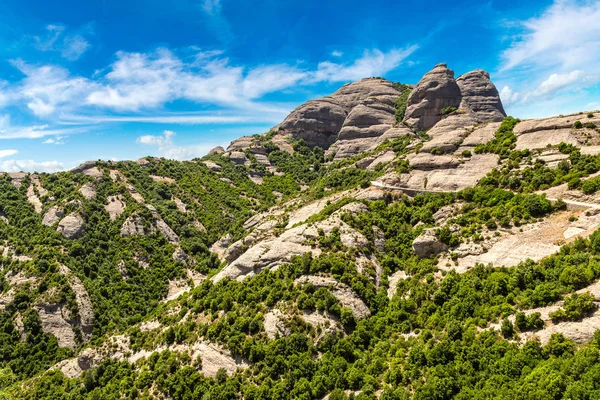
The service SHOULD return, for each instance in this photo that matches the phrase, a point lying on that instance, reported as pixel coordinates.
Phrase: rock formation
(53, 215)
(72, 226)
(437, 93)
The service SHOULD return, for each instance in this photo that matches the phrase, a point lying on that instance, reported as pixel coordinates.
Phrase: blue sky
(123, 79)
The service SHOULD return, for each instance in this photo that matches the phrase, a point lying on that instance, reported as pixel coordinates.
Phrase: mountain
(388, 241)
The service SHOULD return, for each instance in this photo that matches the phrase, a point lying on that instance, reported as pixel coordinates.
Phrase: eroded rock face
(133, 226)
(88, 191)
(317, 122)
(53, 215)
(357, 110)
(72, 226)
(428, 244)
(217, 150)
(472, 94)
(435, 91)
(480, 95)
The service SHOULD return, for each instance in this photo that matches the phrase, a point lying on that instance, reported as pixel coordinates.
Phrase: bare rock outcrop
(473, 96)
(88, 168)
(213, 166)
(88, 191)
(480, 96)
(53, 215)
(357, 110)
(133, 226)
(84, 303)
(115, 206)
(217, 150)
(54, 320)
(72, 226)
(435, 91)
(274, 324)
(428, 244)
(270, 251)
(343, 293)
(33, 199)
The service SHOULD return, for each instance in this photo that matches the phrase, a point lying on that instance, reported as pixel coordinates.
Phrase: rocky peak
(320, 122)
(480, 95)
(472, 93)
(435, 91)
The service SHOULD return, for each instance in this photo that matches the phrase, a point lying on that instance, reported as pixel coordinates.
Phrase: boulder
(72, 226)
(212, 166)
(88, 191)
(53, 215)
(238, 157)
(428, 244)
(435, 91)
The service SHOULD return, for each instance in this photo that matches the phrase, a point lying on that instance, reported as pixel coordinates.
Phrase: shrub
(575, 307)
(528, 322)
(577, 125)
(590, 115)
(447, 110)
(466, 154)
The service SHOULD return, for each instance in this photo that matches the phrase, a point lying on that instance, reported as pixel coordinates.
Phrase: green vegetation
(536, 175)
(431, 340)
(447, 110)
(504, 141)
(401, 100)
(575, 307)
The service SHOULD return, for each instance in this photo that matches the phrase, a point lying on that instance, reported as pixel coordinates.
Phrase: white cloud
(566, 35)
(74, 47)
(31, 166)
(508, 97)
(143, 84)
(557, 82)
(46, 88)
(167, 149)
(8, 131)
(58, 140)
(212, 7)
(336, 53)
(179, 118)
(372, 63)
(7, 153)
(71, 47)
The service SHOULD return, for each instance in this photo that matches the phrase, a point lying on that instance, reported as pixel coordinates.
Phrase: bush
(590, 186)
(590, 115)
(466, 154)
(575, 307)
(577, 125)
(528, 322)
(447, 110)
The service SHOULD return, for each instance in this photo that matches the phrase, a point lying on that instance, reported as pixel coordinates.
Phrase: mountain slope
(387, 241)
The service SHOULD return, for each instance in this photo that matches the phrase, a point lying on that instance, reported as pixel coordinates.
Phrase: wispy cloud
(211, 7)
(58, 140)
(553, 54)
(31, 166)
(9, 131)
(166, 148)
(56, 38)
(565, 36)
(7, 153)
(149, 81)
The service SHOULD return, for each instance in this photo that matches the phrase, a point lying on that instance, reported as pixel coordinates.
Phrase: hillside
(388, 241)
